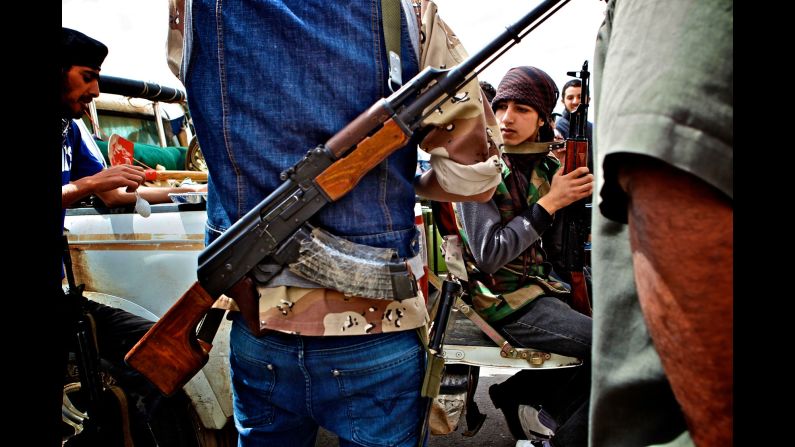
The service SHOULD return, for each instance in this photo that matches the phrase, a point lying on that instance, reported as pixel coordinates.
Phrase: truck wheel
(194, 159)
(129, 417)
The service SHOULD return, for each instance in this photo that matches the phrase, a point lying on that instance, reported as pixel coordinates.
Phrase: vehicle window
(134, 128)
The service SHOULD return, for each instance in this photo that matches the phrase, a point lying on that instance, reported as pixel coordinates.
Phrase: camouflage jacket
(501, 293)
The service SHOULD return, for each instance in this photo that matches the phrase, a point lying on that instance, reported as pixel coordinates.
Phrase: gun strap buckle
(535, 358)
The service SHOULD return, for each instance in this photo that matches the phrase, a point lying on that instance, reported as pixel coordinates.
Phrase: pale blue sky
(558, 45)
(135, 31)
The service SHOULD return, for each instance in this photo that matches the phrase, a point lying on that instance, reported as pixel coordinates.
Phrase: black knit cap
(79, 49)
(531, 86)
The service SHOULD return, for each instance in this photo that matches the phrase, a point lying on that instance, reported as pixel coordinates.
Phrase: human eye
(90, 76)
(523, 108)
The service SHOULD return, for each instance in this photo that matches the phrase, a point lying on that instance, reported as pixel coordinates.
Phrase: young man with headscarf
(510, 280)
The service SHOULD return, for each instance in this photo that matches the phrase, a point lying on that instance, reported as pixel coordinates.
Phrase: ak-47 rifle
(271, 234)
(576, 217)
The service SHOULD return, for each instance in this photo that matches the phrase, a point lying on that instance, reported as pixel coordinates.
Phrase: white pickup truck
(144, 264)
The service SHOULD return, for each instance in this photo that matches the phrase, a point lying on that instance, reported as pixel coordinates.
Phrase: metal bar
(140, 89)
(161, 133)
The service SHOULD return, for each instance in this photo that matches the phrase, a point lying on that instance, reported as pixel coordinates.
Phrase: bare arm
(681, 236)
(107, 180)
(152, 194)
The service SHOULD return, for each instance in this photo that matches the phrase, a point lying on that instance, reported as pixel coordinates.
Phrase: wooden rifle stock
(339, 178)
(580, 301)
(170, 354)
(576, 155)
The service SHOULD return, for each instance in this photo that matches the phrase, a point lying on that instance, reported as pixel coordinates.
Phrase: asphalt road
(494, 432)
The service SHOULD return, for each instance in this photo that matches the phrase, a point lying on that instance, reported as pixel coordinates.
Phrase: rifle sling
(390, 22)
(470, 313)
(124, 414)
(535, 358)
(67, 263)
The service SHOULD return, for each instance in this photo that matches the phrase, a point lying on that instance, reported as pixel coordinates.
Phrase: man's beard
(69, 113)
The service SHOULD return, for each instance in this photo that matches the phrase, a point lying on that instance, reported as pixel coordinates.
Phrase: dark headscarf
(79, 49)
(533, 87)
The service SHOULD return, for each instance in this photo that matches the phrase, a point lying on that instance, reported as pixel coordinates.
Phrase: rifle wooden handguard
(576, 155)
(170, 354)
(344, 174)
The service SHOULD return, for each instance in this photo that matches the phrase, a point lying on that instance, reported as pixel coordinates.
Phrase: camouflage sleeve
(175, 37)
(465, 140)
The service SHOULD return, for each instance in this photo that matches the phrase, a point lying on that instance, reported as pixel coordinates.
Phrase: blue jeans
(551, 325)
(366, 389)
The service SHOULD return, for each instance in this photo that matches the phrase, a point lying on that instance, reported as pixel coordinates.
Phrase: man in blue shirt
(82, 174)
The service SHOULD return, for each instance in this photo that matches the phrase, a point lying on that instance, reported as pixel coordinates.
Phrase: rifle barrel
(457, 76)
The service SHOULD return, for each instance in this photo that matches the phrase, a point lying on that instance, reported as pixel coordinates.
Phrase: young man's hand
(567, 189)
(111, 179)
(118, 176)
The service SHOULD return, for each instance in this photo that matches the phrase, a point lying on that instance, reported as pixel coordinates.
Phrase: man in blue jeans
(267, 81)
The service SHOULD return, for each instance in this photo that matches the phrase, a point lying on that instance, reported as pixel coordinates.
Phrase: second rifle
(576, 217)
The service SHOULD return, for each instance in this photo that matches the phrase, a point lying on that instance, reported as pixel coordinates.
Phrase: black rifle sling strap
(390, 22)
(67, 264)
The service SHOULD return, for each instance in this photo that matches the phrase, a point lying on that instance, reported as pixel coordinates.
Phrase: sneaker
(510, 409)
(527, 443)
(536, 424)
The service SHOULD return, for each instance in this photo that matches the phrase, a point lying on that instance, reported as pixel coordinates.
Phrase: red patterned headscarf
(531, 86)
